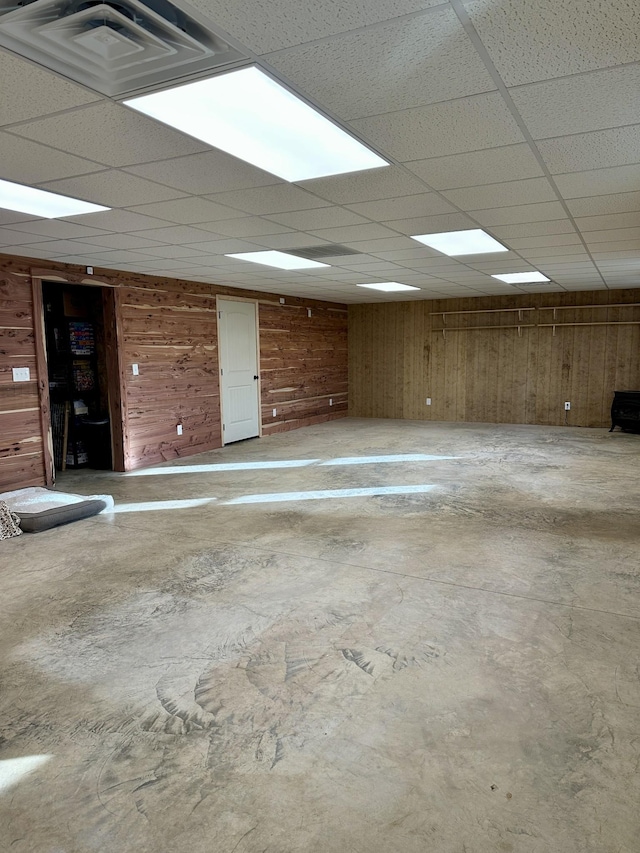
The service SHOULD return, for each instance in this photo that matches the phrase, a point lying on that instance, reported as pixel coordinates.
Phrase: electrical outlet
(179, 429)
(331, 401)
(428, 401)
(21, 374)
(135, 370)
(567, 407)
(274, 413)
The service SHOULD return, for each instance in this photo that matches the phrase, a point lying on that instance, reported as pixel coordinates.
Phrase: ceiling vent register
(116, 48)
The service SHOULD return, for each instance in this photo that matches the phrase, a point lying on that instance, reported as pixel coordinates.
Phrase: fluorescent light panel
(389, 286)
(453, 243)
(251, 116)
(279, 260)
(42, 203)
(521, 277)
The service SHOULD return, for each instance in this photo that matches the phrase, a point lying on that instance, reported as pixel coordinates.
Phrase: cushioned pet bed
(41, 509)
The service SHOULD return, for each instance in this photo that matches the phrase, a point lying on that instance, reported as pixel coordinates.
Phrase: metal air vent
(329, 250)
(116, 48)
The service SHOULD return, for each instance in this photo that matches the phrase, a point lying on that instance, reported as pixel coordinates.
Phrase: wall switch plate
(89, 270)
(179, 429)
(21, 374)
(274, 413)
(428, 401)
(331, 401)
(135, 369)
(567, 407)
(281, 301)
(308, 312)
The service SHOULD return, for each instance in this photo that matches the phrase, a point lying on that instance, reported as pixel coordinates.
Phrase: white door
(239, 384)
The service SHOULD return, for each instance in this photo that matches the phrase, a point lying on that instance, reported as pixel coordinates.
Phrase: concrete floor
(452, 669)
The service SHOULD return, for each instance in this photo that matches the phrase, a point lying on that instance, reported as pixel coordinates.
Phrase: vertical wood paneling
(168, 327)
(21, 445)
(495, 375)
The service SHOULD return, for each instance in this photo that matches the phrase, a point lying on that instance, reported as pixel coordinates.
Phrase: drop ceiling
(518, 117)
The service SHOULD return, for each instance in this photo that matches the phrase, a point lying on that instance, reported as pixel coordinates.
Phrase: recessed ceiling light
(453, 243)
(389, 286)
(42, 203)
(280, 260)
(251, 116)
(521, 277)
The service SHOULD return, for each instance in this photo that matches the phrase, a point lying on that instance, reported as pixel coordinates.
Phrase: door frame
(256, 302)
(115, 378)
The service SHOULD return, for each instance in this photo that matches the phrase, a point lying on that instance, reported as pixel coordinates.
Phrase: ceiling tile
(618, 179)
(533, 229)
(521, 213)
(388, 245)
(27, 251)
(522, 243)
(177, 234)
(419, 60)
(249, 226)
(432, 224)
(353, 233)
(225, 247)
(119, 220)
(119, 241)
(612, 245)
(187, 211)
(553, 251)
(322, 217)
(466, 124)
(537, 41)
(264, 25)
(279, 198)
(202, 174)
(601, 204)
(370, 185)
(287, 240)
(407, 207)
(111, 188)
(509, 193)
(593, 237)
(606, 222)
(578, 104)
(491, 166)
(58, 229)
(600, 149)
(29, 91)
(30, 163)
(16, 238)
(111, 134)
(172, 251)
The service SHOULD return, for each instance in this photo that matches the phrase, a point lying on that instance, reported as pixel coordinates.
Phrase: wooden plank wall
(398, 356)
(168, 327)
(21, 446)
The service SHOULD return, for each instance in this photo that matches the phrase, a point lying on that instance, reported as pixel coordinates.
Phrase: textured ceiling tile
(354, 232)
(267, 25)
(16, 238)
(30, 163)
(523, 243)
(29, 91)
(602, 204)
(111, 188)
(390, 245)
(466, 124)
(432, 224)
(619, 179)
(505, 194)
(616, 246)
(201, 174)
(322, 217)
(25, 251)
(186, 211)
(59, 229)
(418, 61)
(178, 251)
(226, 247)
(370, 185)
(279, 198)
(617, 146)
(594, 237)
(530, 41)
(119, 241)
(533, 229)
(423, 204)
(573, 250)
(177, 234)
(522, 213)
(579, 104)
(110, 134)
(119, 220)
(491, 166)
(605, 222)
(249, 226)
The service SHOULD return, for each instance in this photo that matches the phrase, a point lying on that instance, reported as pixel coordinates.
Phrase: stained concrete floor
(452, 669)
